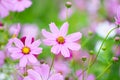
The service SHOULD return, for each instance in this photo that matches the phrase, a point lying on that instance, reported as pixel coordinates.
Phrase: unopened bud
(104, 48)
(68, 4)
(90, 33)
(84, 58)
(117, 38)
(91, 52)
(115, 59)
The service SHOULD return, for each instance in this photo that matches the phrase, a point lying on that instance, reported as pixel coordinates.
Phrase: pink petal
(57, 76)
(47, 34)
(36, 51)
(49, 42)
(28, 41)
(73, 46)
(34, 74)
(36, 43)
(27, 78)
(18, 43)
(74, 37)
(16, 55)
(65, 52)
(56, 49)
(44, 72)
(91, 77)
(64, 29)
(53, 28)
(23, 61)
(14, 50)
(31, 58)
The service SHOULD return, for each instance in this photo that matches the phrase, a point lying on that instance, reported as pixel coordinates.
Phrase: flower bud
(91, 52)
(90, 33)
(1, 25)
(117, 38)
(115, 59)
(68, 4)
(84, 58)
(104, 48)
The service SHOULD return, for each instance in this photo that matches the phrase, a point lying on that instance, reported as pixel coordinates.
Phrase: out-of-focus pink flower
(111, 6)
(81, 4)
(93, 6)
(30, 30)
(64, 70)
(2, 58)
(14, 30)
(60, 41)
(43, 74)
(117, 18)
(21, 5)
(80, 77)
(25, 52)
(5, 6)
(64, 13)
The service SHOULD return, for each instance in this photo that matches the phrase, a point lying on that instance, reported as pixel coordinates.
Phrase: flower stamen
(25, 50)
(60, 40)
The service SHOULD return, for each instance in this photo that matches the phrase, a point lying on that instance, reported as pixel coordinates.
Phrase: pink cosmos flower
(5, 6)
(60, 41)
(25, 51)
(117, 18)
(21, 5)
(43, 74)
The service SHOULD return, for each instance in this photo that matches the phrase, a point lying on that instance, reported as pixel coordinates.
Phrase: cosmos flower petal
(14, 49)
(53, 28)
(64, 29)
(73, 46)
(65, 52)
(16, 55)
(57, 76)
(49, 42)
(74, 37)
(28, 41)
(47, 34)
(44, 71)
(56, 49)
(36, 43)
(36, 51)
(34, 74)
(32, 58)
(27, 78)
(23, 61)
(18, 43)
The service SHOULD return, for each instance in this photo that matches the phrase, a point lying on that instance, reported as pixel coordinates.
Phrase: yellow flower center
(61, 40)
(25, 50)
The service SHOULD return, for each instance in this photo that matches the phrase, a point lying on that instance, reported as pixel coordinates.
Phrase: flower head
(60, 41)
(25, 51)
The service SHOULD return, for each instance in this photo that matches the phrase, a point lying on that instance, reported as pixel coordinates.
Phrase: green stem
(104, 71)
(99, 50)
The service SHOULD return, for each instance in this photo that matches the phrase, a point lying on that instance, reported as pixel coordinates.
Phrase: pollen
(60, 40)
(25, 50)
